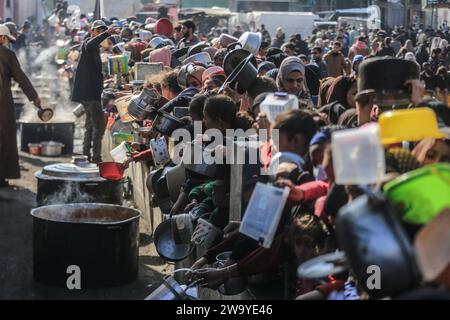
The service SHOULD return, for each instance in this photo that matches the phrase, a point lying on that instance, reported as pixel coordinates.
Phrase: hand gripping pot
(206, 234)
(182, 228)
(242, 77)
(234, 58)
(370, 234)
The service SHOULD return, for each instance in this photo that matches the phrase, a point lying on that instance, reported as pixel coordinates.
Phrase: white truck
(290, 22)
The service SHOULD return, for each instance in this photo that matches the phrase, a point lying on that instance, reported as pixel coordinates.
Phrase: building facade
(19, 10)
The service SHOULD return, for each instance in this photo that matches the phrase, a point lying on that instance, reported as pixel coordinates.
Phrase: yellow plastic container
(408, 125)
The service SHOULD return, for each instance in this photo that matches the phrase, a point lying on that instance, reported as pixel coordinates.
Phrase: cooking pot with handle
(370, 234)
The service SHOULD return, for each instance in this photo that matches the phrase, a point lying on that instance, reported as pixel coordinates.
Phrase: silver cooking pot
(202, 58)
(251, 41)
(52, 148)
(79, 111)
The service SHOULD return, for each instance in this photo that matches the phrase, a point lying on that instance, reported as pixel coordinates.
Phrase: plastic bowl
(420, 195)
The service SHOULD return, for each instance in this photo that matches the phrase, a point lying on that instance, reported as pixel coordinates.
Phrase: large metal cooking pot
(234, 58)
(251, 41)
(102, 240)
(370, 234)
(166, 246)
(76, 182)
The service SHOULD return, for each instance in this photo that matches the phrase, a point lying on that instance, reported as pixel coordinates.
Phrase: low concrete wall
(137, 172)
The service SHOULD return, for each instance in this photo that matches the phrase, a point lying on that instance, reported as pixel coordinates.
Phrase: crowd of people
(331, 74)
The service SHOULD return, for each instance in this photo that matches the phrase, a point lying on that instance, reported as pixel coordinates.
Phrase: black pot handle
(233, 45)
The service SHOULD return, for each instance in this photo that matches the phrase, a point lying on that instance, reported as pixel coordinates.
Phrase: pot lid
(80, 168)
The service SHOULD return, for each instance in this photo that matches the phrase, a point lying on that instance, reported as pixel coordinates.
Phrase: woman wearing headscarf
(411, 57)
(408, 47)
(291, 79)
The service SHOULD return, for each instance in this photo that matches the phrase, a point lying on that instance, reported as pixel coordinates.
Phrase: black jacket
(88, 85)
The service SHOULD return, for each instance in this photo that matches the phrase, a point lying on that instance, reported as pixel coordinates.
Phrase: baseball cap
(4, 31)
(97, 24)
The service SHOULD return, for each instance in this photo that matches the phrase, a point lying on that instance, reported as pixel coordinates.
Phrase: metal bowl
(166, 246)
(251, 41)
(202, 58)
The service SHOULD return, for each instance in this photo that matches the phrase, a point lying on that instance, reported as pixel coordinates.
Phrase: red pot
(112, 171)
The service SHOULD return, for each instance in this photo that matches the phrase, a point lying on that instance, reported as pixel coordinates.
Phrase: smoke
(53, 89)
(70, 193)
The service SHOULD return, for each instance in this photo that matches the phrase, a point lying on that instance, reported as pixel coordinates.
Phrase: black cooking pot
(386, 75)
(166, 246)
(102, 240)
(33, 132)
(243, 76)
(371, 235)
(165, 123)
(234, 58)
(76, 182)
(198, 48)
(157, 183)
